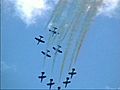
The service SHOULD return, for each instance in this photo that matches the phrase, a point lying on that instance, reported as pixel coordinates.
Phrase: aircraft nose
(67, 78)
(73, 69)
(59, 46)
(58, 88)
(51, 79)
(43, 72)
(48, 51)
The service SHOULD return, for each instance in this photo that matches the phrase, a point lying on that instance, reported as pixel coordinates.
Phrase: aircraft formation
(46, 54)
(74, 17)
(51, 83)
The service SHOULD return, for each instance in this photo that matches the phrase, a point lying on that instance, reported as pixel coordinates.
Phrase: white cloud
(30, 10)
(109, 7)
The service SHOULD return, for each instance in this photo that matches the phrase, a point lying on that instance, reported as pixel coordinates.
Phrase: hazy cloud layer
(30, 10)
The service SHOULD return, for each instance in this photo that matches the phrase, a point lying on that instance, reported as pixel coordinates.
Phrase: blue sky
(98, 60)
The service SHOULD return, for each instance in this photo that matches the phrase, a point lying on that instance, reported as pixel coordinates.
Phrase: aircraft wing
(55, 27)
(44, 76)
(59, 51)
(36, 38)
(54, 48)
(54, 32)
(43, 52)
(39, 77)
(49, 84)
(42, 41)
(50, 30)
(70, 73)
(64, 82)
(40, 36)
(48, 55)
(75, 73)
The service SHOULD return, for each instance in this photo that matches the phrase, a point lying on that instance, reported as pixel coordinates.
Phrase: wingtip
(41, 36)
(48, 50)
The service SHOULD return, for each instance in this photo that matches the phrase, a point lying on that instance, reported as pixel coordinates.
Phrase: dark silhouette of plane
(46, 53)
(39, 40)
(42, 76)
(59, 88)
(72, 73)
(57, 49)
(66, 82)
(53, 31)
(51, 83)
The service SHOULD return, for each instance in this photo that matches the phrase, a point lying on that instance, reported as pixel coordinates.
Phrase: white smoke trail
(85, 28)
(73, 29)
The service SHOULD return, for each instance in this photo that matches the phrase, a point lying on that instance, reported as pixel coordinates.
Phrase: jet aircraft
(66, 82)
(42, 76)
(57, 49)
(59, 88)
(46, 53)
(72, 73)
(50, 84)
(53, 31)
(40, 40)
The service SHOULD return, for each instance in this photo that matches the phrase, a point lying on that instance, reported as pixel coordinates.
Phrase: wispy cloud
(109, 7)
(5, 67)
